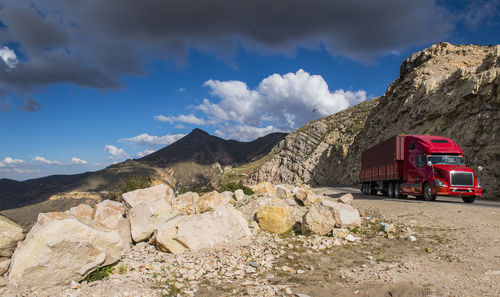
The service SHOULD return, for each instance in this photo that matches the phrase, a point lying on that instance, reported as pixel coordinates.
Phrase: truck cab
(434, 165)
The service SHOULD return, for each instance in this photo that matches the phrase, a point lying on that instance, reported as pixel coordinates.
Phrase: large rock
(209, 201)
(108, 213)
(227, 196)
(60, 248)
(82, 212)
(344, 214)
(158, 192)
(186, 203)
(239, 195)
(318, 220)
(346, 198)
(276, 218)
(221, 227)
(10, 234)
(4, 265)
(147, 216)
(283, 193)
(264, 188)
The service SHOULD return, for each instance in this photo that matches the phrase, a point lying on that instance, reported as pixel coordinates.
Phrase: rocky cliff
(448, 90)
(313, 153)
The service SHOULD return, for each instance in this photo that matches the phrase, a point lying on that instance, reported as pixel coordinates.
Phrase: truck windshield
(446, 159)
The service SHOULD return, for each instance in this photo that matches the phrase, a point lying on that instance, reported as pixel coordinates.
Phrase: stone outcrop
(60, 248)
(10, 234)
(154, 193)
(447, 90)
(318, 220)
(276, 218)
(222, 227)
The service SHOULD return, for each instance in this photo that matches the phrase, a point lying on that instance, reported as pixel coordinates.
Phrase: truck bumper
(458, 191)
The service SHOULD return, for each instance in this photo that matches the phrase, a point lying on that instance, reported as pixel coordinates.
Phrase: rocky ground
(427, 249)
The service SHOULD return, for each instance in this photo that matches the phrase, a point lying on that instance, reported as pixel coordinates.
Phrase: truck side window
(421, 161)
(412, 146)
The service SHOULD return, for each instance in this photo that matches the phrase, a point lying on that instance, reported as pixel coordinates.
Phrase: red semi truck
(421, 165)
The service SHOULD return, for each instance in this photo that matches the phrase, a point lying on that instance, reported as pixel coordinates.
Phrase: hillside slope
(446, 90)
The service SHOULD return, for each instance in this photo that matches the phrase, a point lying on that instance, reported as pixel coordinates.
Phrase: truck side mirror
(467, 161)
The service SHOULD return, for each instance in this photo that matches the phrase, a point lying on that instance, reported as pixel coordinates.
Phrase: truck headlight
(439, 183)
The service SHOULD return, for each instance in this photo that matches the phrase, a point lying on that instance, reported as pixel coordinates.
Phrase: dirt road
(456, 252)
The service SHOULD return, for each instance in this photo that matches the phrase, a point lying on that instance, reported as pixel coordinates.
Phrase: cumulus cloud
(45, 161)
(278, 103)
(78, 161)
(9, 57)
(116, 153)
(11, 161)
(188, 119)
(94, 44)
(145, 153)
(25, 171)
(153, 141)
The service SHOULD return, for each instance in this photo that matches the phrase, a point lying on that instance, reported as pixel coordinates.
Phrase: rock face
(222, 227)
(4, 265)
(276, 219)
(10, 234)
(60, 248)
(447, 90)
(318, 220)
(313, 153)
(154, 193)
(108, 213)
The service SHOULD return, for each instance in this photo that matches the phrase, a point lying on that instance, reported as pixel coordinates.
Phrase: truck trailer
(424, 166)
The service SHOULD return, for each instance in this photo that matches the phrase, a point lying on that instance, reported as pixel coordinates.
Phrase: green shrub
(233, 187)
(136, 182)
(99, 274)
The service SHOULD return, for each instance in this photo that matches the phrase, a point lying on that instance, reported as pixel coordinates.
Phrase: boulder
(186, 203)
(147, 216)
(4, 265)
(306, 196)
(239, 195)
(157, 192)
(264, 188)
(340, 233)
(108, 213)
(227, 196)
(60, 249)
(222, 227)
(344, 214)
(10, 234)
(346, 198)
(209, 201)
(82, 212)
(276, 218)
(283, 193)
(312, 199)
(318, 220)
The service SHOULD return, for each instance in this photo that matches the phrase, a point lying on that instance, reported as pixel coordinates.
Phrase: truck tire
(397, 191)
(427, 193)
(390, 190)
(468, 199)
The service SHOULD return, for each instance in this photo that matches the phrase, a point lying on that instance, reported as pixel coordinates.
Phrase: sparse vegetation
(133, 182)
(233, 187)
(99, 274)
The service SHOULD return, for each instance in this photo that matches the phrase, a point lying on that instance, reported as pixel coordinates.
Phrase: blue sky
(83, 86)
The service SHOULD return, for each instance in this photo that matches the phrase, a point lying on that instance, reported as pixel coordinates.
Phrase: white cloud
(153, 141)
(25, 171)
(145, 153)
(244, 132)
(284, 102)
(10, 161)
(45, 161)
(116, 153)
(9, 57)
(188, 119)
(78, 161)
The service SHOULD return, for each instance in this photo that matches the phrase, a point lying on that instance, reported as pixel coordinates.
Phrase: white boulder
(158, 192)
(344, 214)
(318, 220)
(108, 213)
(10, 234)
(146, 216)
(186, 203)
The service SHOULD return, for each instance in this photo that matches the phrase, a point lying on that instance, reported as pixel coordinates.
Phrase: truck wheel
(390, 190)
(397, 191)
(468, 199)
(427, 193)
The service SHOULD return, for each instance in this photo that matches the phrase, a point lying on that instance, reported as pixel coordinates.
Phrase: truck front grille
(462, 179)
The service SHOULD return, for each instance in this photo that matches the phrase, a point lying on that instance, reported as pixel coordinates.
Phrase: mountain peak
(198, 132)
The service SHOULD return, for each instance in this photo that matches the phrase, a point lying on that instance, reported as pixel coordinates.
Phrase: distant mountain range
(196, 158)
